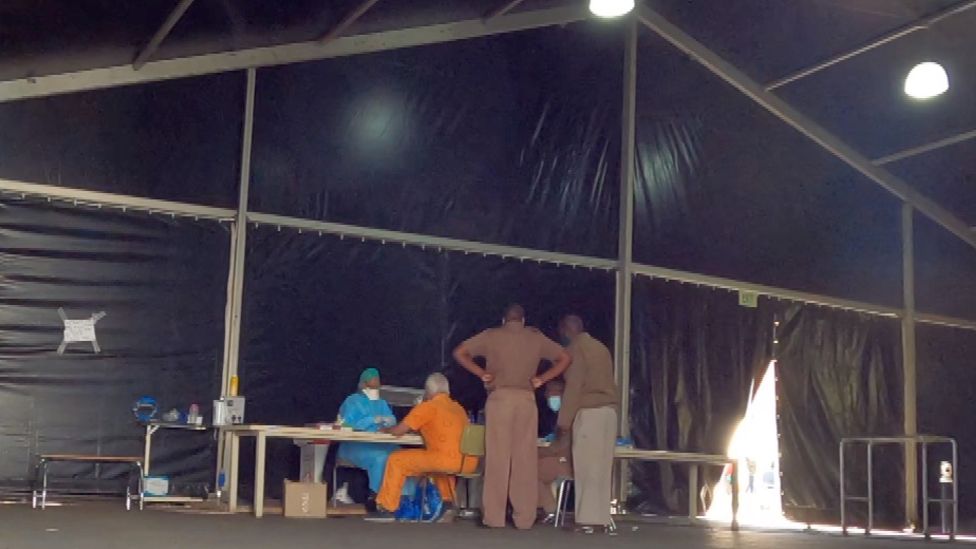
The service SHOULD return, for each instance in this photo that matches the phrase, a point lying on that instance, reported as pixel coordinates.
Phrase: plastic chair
(339, 464)
(472, 445)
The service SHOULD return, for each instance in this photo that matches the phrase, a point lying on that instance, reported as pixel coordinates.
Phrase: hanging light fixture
(926, 80)
(611, 8)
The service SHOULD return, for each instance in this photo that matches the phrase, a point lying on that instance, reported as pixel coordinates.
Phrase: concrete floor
(106, 526)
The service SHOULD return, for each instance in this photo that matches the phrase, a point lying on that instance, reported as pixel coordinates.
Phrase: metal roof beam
(502, 9)
(347, 21)
(891, 36)
(428, 241)
(167, 69)
(760, 289)
(171, 20)
(927, 147)
(816, 133)
(120, 201)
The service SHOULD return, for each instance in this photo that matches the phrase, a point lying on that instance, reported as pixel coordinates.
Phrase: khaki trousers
(511, 458)
(594, 439)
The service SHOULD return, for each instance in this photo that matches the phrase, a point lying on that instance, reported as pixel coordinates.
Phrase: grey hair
(437, 384)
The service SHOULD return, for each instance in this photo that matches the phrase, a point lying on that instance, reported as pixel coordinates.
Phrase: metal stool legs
(562, 501)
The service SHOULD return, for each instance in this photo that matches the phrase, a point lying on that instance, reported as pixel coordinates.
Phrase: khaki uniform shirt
(512, 354)
(589, 379)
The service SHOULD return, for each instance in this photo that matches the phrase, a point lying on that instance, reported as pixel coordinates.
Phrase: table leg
(147, 448)
(260, 442)
(235, 450)
(693, 491)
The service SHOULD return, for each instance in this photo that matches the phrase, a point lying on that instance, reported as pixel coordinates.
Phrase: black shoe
(380, 516)
(548, 519)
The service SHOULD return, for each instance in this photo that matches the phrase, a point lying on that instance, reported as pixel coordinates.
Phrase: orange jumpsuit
(441, 422)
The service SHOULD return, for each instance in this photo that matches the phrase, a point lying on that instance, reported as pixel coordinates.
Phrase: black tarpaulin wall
(946, 391)
(511, 139)
(319, 309)
(839, 375)
(161, 283)
(696, 353)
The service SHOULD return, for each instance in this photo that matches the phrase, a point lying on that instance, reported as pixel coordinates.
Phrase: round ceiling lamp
(611, 8)
(926, 80)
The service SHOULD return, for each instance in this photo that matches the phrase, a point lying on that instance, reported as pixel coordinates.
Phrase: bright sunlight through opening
(755, 445)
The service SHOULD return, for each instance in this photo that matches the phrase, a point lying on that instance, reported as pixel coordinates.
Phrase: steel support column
(625, 251)
(238, 251)
(908, 362)
(235, 275)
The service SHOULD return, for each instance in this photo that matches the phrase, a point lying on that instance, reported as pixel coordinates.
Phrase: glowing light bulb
(611, 8)
(926, 80)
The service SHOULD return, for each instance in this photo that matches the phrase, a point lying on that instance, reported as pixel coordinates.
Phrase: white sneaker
(342, 495)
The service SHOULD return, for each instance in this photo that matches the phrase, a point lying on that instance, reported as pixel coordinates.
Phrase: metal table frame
(39, 492)
(262, 433)
(924, 441)
(151, 428)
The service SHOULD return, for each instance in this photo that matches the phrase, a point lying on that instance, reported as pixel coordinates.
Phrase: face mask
(372, 394)
(555, 402)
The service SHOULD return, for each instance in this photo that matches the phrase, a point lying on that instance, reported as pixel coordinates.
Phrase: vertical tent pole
(624, 284)
(235, 278)
(240, 240)
(909, 372)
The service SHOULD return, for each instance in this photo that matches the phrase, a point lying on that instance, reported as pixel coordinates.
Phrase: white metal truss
(167, 69)
(927, 147)
(122, 202)
(434, 243)
(157, 39)
(918, 25)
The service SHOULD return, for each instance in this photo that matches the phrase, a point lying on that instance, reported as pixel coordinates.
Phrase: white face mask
(372, 394)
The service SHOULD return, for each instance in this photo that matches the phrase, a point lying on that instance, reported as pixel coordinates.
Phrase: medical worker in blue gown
(364, 410)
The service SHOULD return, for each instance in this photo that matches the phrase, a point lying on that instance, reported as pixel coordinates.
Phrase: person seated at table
(555, 460)
(364, 410)
(441, 421)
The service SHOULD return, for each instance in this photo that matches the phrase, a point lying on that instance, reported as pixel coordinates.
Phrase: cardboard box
(306, 500)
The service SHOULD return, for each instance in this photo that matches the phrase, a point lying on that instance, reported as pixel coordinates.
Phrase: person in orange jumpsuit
(440, 421)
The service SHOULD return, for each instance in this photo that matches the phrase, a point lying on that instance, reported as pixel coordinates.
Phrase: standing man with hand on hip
(589, 408)
(512, 355)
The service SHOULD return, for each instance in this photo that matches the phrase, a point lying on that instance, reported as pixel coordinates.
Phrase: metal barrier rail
(924, 441)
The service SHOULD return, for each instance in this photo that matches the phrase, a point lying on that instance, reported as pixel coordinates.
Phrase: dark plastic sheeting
(162, 283)
(695, 355)
(725, 188)
(318, 310)
(945, 272)
(839, 375)
(511, 139)
(175, 140)
(946, 391)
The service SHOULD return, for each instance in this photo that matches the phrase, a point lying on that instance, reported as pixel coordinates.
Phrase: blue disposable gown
(361, 413)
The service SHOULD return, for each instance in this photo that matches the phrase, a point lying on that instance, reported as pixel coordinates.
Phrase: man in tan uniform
(589, 409)
(512, 355)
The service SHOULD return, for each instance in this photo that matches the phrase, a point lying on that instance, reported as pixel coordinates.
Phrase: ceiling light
(611, 8)
(926, 80)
